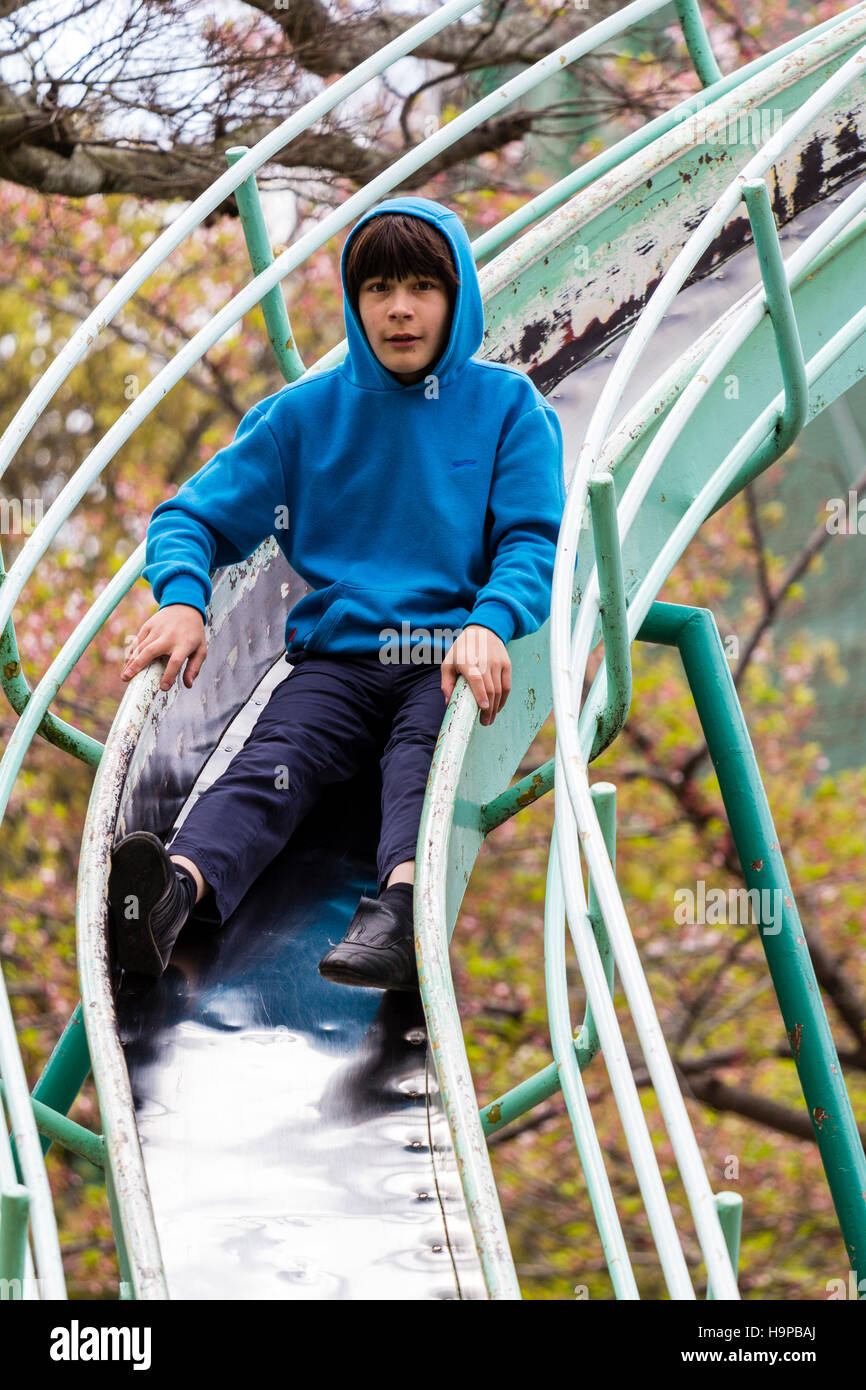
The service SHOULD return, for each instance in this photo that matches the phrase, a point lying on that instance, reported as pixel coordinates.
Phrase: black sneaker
(149, 902)
(378, 950)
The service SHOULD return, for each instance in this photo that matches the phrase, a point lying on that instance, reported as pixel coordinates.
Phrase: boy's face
(406, 323)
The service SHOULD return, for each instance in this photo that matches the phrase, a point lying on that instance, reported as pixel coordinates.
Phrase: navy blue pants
(326, 718)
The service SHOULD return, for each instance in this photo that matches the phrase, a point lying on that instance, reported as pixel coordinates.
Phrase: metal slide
(267, 1135)
(288, 1125)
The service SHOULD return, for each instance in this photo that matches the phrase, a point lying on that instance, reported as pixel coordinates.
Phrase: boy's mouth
(403, 338)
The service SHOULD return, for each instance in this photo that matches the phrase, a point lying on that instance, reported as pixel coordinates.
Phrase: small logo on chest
(464, 463)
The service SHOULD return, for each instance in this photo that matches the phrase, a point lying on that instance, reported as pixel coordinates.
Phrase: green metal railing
(694, 633)
(599, 921)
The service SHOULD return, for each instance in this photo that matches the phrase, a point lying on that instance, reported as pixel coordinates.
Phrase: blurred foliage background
(762, 566)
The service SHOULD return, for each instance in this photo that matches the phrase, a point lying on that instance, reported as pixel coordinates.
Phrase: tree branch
(328, 45)
(739, 1101)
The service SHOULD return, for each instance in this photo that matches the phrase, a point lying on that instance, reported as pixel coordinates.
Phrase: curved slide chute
(269, 1135)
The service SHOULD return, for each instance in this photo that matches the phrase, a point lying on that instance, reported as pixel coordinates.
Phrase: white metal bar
(613, 1047)
(571, 1083)
(43, 1226)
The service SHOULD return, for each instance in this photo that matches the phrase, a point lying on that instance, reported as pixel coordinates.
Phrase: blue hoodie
(422, 507)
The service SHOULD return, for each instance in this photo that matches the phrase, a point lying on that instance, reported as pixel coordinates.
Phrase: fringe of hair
(397, 245)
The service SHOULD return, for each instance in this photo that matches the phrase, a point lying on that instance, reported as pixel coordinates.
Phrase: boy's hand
(480, 656)
(176, 631)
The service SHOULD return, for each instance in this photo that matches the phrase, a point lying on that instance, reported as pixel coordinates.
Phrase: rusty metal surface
(581, 276)
(697, 310)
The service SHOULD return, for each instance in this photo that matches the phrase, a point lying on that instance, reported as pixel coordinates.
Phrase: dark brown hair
(395, 244)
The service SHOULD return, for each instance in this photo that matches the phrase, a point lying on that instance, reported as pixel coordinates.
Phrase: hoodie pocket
(326, 624)
(380, 616)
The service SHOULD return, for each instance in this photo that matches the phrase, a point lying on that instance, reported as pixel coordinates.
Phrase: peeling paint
(532, 792)
(572, 330)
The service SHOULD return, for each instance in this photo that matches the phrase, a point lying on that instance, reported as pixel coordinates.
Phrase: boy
(424, 490)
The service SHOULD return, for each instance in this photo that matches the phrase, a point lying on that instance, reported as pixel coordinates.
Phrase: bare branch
(327, 45)
(246, 77)
(715, 1093)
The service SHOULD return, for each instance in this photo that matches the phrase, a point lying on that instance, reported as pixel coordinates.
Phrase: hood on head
(361, 364)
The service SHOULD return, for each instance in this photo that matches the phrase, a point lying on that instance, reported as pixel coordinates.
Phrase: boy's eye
(419, 284)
